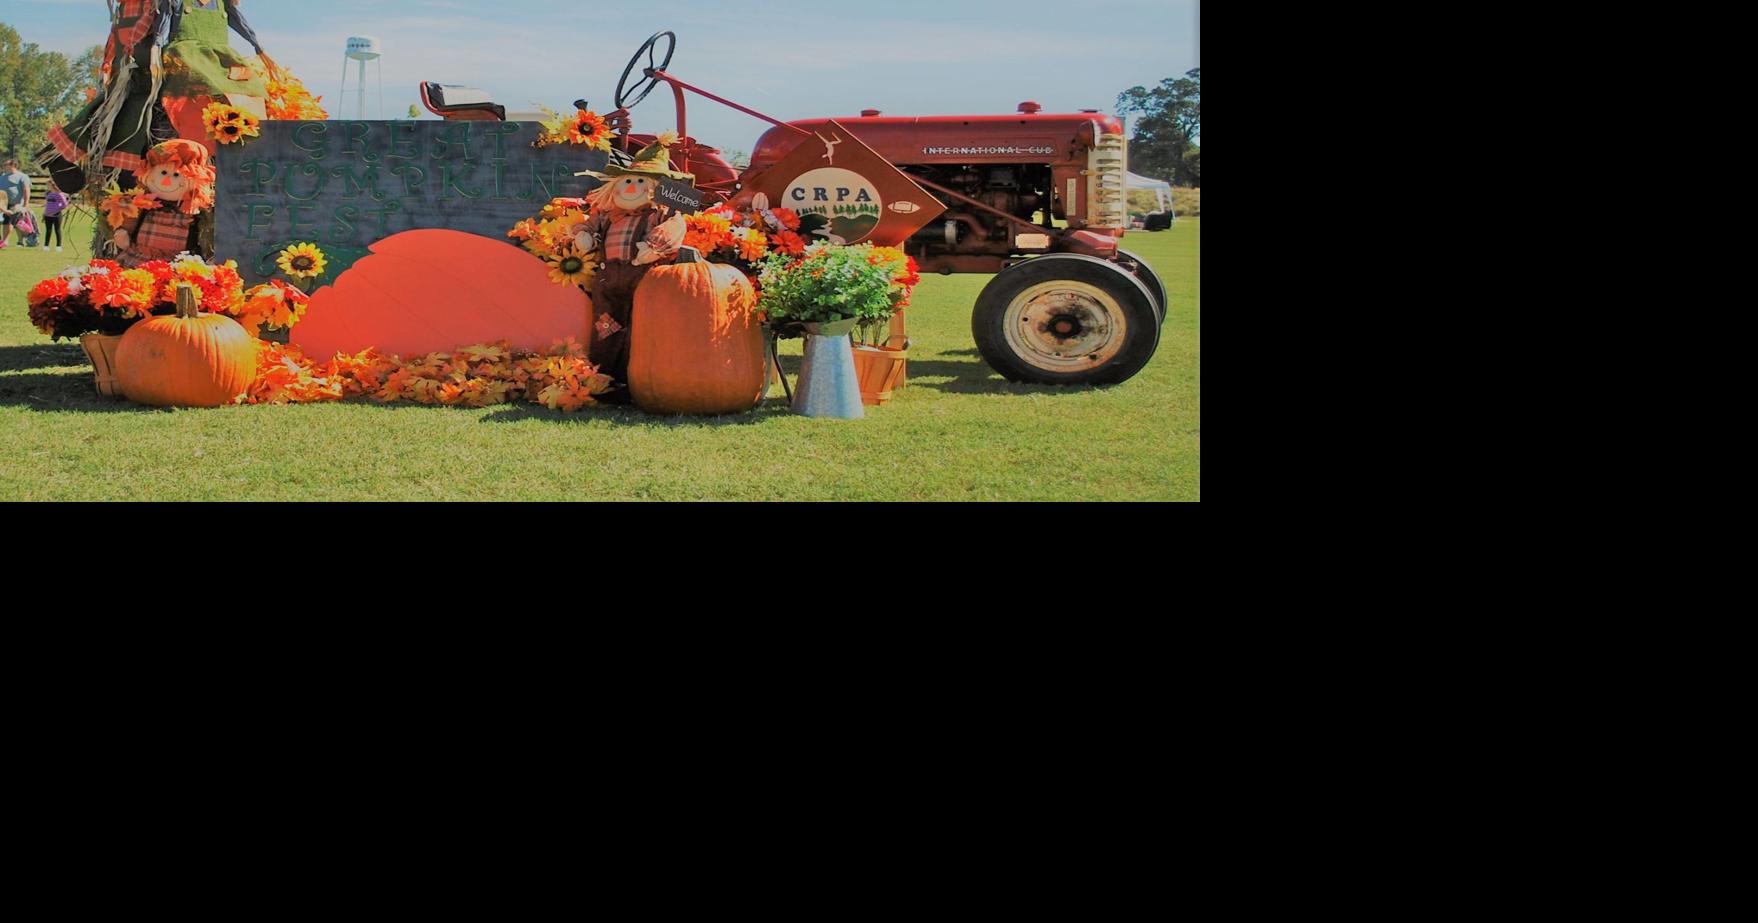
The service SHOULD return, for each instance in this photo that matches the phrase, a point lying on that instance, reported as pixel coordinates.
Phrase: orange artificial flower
(590, 130)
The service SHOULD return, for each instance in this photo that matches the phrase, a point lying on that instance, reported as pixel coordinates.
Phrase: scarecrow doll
(631, 233)
(164, 61)
(113, 131)
(177, 183)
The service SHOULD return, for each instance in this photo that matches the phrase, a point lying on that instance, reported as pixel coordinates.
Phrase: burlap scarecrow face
(632, 193)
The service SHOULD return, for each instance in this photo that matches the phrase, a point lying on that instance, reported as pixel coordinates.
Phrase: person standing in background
(54, 203)
(15, 189)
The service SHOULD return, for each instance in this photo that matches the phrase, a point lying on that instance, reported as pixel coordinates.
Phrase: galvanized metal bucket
(829, 386)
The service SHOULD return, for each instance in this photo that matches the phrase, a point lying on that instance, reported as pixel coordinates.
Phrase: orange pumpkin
(695, 345)
(189, 359)
(436, 290)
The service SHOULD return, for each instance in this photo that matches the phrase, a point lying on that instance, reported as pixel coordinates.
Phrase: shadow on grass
(978, 378)
(46, 356)
(629, 416)
(68, 392)
(611, 414)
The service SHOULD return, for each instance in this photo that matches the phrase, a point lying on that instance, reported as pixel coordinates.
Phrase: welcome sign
(347, 185)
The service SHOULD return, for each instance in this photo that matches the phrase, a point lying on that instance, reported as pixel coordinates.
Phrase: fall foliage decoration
(484, 375)
(120, 207)
(274, 305)
(584, 128)
(288, 99)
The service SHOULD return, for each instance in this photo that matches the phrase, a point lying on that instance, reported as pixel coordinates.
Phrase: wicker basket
(881, 370)
(102, 351)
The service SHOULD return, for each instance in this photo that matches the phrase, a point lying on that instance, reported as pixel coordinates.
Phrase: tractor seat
(461, 104)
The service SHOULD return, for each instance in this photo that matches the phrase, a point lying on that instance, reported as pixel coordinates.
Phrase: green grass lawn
(958, 432)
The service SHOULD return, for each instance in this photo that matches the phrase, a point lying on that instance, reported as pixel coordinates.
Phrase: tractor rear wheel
(1066, 319)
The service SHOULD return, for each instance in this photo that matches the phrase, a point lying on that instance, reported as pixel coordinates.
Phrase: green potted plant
(826, 293)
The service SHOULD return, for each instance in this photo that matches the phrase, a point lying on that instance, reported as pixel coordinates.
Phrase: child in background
(53, 205)
(5, 209)
(27, 228)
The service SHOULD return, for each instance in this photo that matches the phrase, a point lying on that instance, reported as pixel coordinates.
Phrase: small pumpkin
(695, 345)
(189, 359)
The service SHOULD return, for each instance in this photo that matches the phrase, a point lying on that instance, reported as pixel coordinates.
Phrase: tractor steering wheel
(627, 97)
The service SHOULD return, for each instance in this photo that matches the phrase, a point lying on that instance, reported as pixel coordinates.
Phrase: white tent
(1162, 190)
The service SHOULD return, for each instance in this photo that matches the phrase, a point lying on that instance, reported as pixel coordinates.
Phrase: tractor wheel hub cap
(1065, 326)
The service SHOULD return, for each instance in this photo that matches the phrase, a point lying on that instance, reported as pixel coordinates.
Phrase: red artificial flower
(53, 287)
(788, 242)
(45, 313)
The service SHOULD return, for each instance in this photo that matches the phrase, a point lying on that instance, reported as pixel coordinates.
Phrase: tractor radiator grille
(1107, 194)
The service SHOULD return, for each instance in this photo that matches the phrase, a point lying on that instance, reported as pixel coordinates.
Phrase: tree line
(1168, 129)
(39, 90)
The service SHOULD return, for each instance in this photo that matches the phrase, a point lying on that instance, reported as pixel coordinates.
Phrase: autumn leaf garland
(478, 376)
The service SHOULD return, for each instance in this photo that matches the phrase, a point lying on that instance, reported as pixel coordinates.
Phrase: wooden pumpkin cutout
(436, 290)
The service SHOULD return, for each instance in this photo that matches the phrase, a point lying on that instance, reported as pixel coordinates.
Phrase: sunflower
(589, 129)
(571, 269)
(302, 261)
(218, 117)
(214, 115)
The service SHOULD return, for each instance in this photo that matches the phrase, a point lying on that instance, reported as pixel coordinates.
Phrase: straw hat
(653, 160)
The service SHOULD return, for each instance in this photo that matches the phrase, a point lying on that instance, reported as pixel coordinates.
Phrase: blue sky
(788, 58)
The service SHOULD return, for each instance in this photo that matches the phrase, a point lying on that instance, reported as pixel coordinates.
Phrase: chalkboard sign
(347, 185)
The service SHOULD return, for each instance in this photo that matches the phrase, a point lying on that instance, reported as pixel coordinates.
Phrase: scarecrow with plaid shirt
(631, 233)
(164, 61)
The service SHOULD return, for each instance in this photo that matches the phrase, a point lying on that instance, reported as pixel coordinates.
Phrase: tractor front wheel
(1066, 319)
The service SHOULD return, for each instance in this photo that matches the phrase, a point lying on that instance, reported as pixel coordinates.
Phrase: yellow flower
(215, 114)
(569, 269)
(302, 261)
(229, 124)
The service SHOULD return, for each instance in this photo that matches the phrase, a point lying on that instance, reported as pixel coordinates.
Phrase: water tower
(363, 48)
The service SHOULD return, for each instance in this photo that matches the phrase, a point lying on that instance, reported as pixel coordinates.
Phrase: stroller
(27, 228)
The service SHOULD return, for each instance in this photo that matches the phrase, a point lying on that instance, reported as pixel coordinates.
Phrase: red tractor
(1036, 199)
